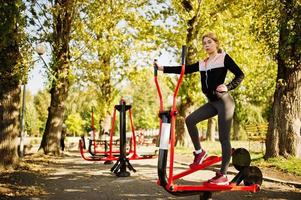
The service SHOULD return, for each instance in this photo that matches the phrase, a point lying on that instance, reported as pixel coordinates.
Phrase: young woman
(213, 72)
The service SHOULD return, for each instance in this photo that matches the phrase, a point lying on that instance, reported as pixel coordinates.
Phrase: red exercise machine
(251, 176)
(110, 154)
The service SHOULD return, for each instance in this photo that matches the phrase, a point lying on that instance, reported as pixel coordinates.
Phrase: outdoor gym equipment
(251, 176)
(122, 163)
(93, 147)
(109, 155)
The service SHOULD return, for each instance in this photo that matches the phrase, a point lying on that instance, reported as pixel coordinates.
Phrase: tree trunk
(182, 136)
(10, 84)
(284, 137)
(50, 141)
(180, 131)
(106, 92)
(272, 138)
(210, 130)
(236, 128)
(9, 125)
(60, 85)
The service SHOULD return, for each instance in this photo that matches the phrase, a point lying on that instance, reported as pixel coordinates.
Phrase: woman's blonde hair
(215, 39)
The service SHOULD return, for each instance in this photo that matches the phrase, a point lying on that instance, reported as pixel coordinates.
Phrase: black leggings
(224, 108)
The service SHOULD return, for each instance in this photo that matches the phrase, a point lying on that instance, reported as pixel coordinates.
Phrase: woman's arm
(177, 69)
(233, 67)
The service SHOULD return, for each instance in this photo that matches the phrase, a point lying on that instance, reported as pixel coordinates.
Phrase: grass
(290, 165)
(215, 147)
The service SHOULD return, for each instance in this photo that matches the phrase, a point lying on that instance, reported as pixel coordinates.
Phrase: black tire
(252, 175)
(241, 158)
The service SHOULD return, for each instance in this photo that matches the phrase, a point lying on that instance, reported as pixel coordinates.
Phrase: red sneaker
(198, 159)
(219, 179)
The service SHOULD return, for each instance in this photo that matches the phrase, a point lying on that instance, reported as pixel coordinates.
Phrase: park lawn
(214, 148)
(290, 165)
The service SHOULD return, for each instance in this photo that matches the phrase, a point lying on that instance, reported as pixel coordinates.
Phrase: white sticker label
(165, 134)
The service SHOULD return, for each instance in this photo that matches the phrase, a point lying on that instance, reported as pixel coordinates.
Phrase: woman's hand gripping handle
(157, 67)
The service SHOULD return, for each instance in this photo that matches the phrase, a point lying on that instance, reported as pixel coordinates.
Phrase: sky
(37, 76)
(36, 79)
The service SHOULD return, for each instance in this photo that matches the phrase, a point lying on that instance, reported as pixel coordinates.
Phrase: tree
(283, 136)
(62, 13)
(31, 116)
(11, 70)
(109, 42)
(41, 103)
(145, 105)
(74, 124)
(81, 101)
(189, 14)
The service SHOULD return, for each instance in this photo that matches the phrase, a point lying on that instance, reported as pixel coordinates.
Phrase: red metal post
(111, 133)
(93, 130)
(134, 136)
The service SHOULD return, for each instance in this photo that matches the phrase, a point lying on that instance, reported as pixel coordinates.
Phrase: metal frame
(110, 155)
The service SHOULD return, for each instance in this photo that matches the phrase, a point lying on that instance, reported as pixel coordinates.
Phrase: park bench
(257, 132)
(149, 141)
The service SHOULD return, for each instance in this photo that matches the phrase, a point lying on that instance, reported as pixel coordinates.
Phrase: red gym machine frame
(167, 141)
(111, 155)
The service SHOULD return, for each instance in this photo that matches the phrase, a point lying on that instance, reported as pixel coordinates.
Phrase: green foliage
(266, 25)
(51, 22)
(141, 92)
(31, 116)
(11, 29)
(74, 124)
(41, 104)
(290, 36)
(108, 40)
(81, 101)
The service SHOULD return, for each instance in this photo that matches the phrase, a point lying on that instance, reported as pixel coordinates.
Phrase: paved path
(72, 178)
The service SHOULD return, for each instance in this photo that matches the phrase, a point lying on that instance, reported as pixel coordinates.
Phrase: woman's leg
(204, 112)
(225, 107)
